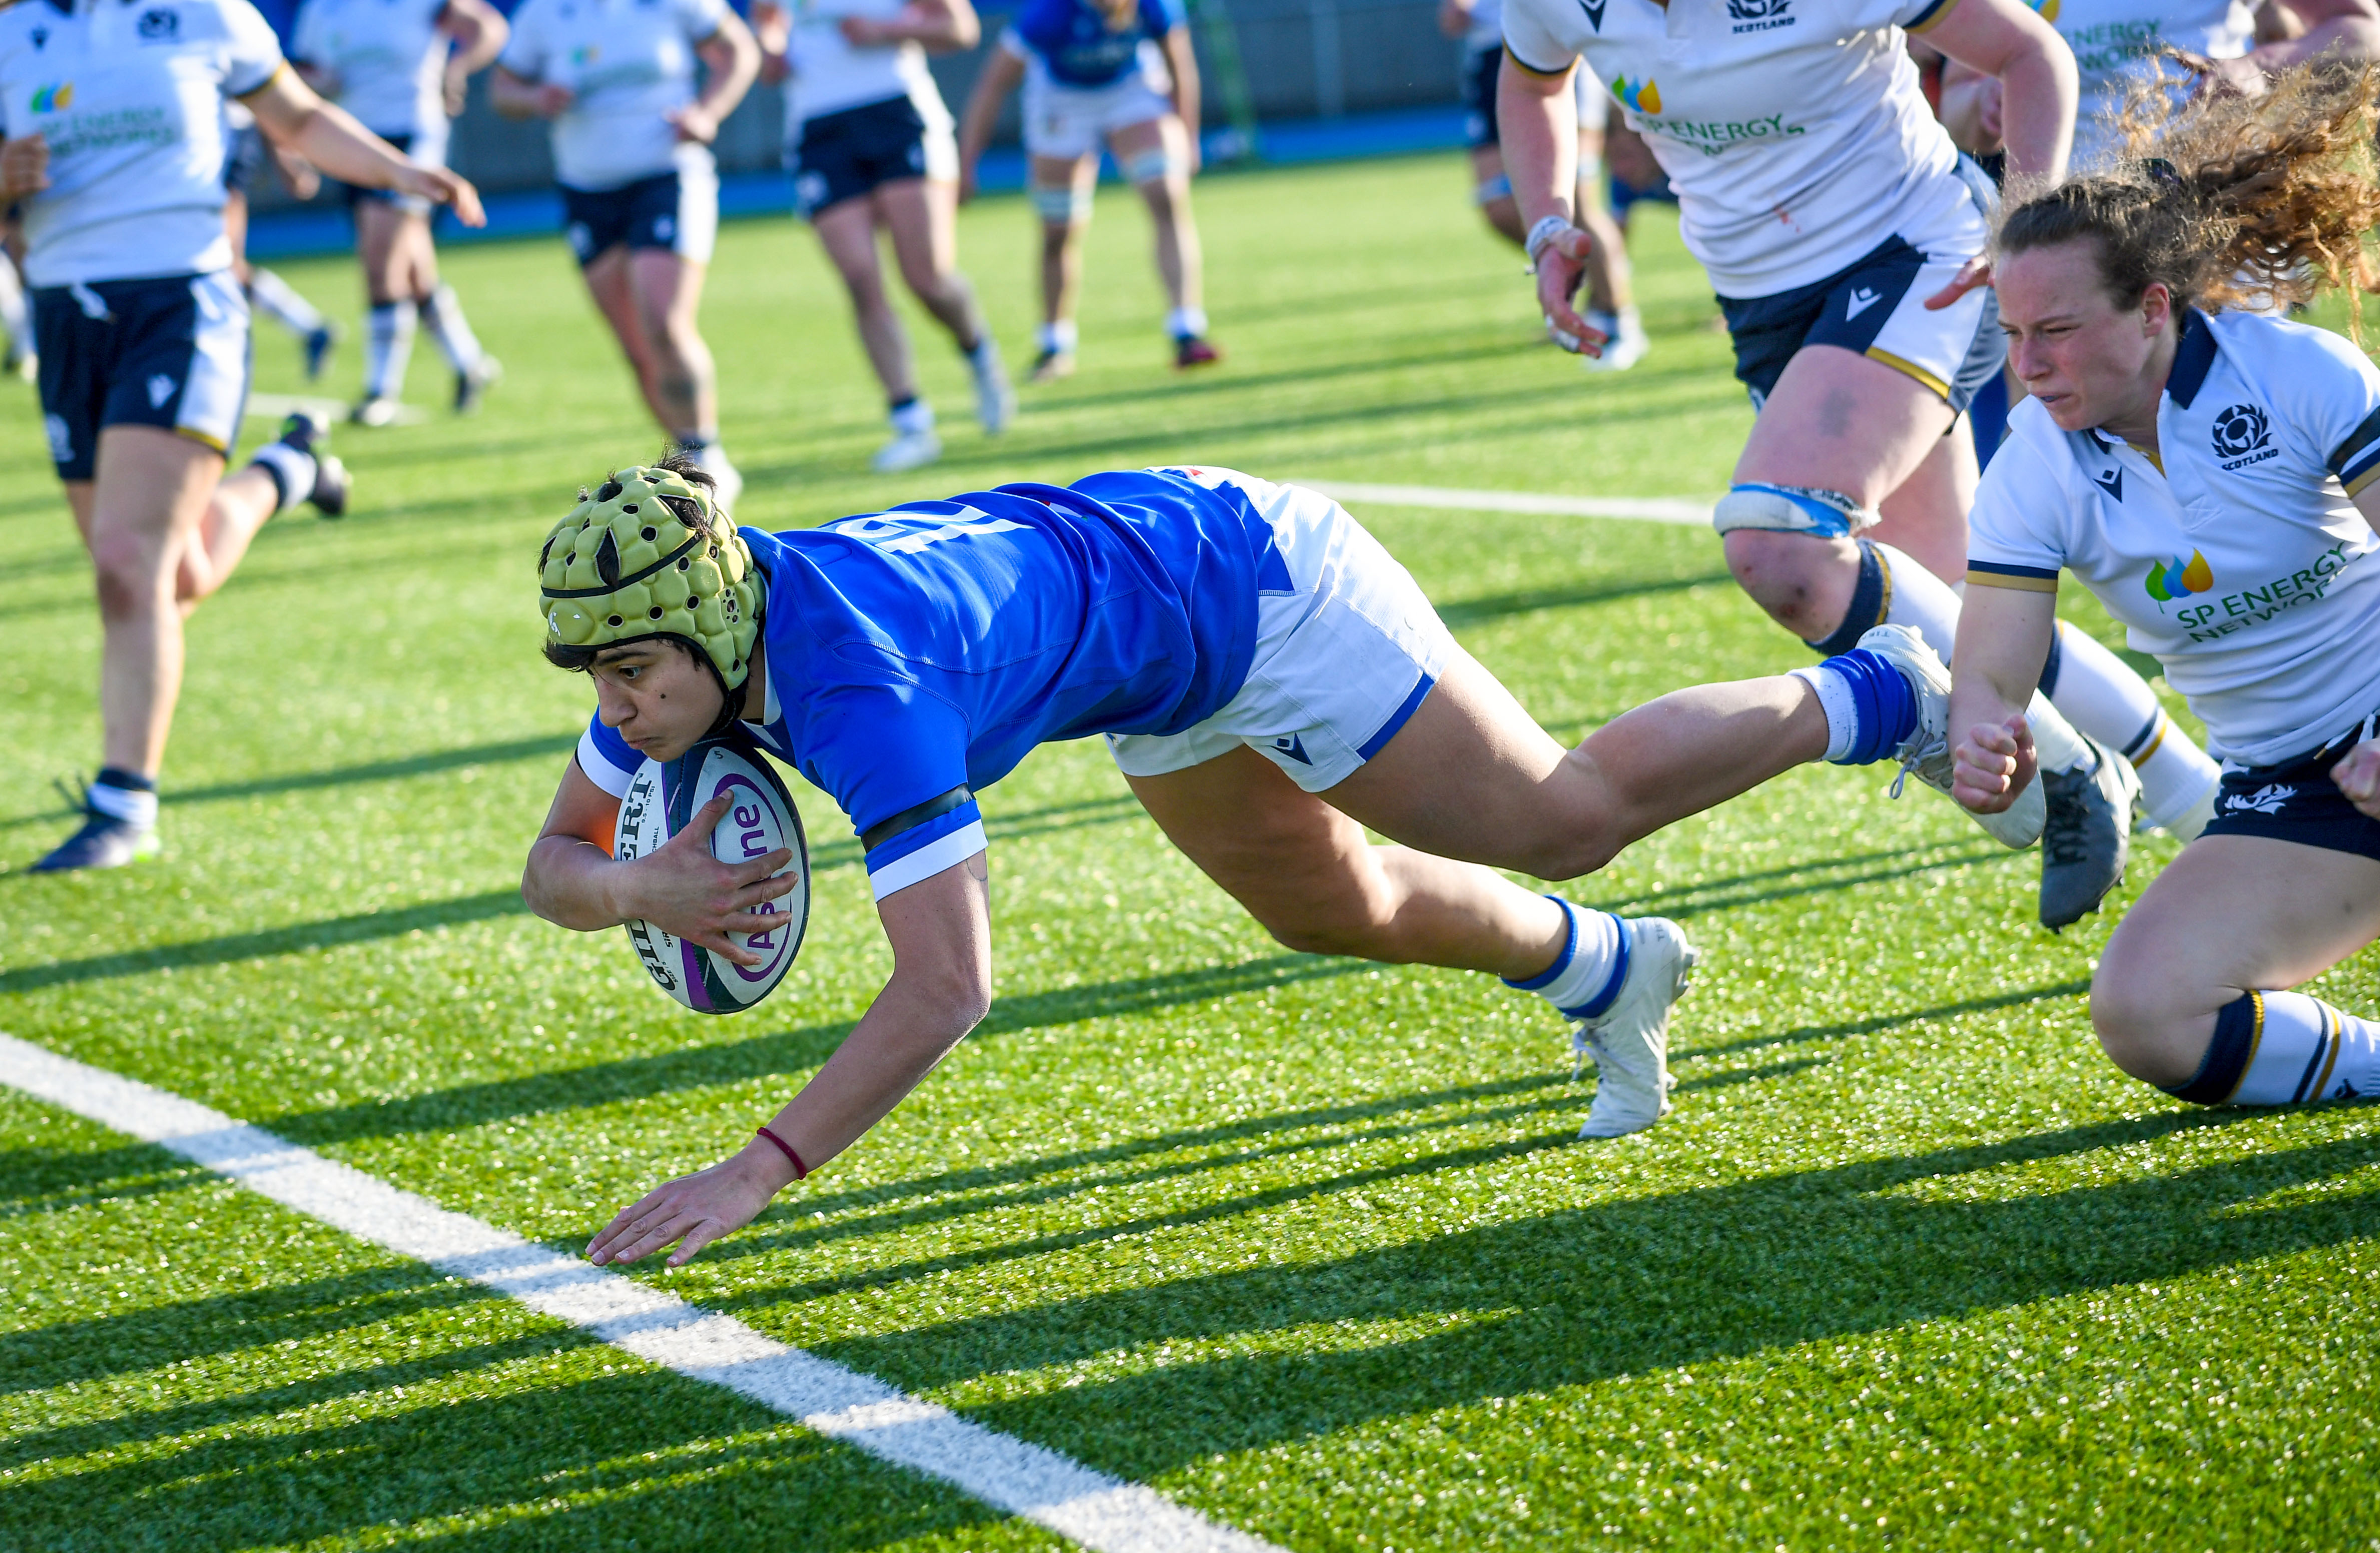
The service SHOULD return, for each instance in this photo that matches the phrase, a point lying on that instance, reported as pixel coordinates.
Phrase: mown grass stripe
(1010, 1474)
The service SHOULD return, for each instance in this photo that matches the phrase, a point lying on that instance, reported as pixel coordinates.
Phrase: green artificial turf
(1303, 1243)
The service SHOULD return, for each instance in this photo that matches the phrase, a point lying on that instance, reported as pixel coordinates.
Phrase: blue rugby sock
(1870, 708)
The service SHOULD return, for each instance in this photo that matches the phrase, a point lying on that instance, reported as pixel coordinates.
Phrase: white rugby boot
(907, 450)
(1926, 754)
(1630, 1041)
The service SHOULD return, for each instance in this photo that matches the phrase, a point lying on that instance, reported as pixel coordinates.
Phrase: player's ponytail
(2230, 200)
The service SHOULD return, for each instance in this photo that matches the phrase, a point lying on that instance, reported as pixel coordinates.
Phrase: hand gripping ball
(661, 801)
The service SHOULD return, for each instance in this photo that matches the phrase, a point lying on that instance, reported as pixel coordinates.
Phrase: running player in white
(1268, 677)
(639, 187)
(1610, 289)
(1843, 233)
(401, 67)
(868, 144)
(2213, 477)
(1120, 73)
(267, 292)
(144, 333)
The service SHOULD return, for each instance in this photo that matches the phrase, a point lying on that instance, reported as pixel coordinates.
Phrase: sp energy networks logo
(2179, 579)
(1640, 97)
(53, 99)
(1758, 15)
(2244, 436)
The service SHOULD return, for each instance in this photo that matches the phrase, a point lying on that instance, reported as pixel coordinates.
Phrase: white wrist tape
(1545, 232)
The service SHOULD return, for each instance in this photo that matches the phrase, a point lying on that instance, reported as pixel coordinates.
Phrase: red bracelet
(800, 1170)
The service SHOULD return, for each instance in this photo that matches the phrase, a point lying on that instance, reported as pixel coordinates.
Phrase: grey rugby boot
(1630, 1041)
(2088, 837)
(1926, 754)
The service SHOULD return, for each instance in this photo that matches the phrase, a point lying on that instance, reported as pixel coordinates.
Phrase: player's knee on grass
(1799, 580)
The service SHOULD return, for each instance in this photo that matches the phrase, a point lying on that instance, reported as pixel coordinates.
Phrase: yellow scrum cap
(649, 554)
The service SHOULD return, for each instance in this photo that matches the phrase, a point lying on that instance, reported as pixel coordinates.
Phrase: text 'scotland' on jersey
(932, 647)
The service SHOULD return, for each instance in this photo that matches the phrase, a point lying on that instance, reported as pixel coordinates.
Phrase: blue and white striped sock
(1585, 977)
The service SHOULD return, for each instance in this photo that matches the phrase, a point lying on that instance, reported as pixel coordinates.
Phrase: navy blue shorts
(842, 156)
(169, 352)
(676, 212)
(2295, 801)
(1875, 307)
(1480, 68)
(355, 194)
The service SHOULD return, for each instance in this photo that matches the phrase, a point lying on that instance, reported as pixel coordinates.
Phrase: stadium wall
(1305, 59)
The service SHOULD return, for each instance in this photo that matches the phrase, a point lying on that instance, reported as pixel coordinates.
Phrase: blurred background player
(868, 144)
(251, 154)
(144, 333)
(400, 67)
(22, 358)
(1610, 306)
(1845, 248)
(639, 187)
(1120, 73)
(2212, 476)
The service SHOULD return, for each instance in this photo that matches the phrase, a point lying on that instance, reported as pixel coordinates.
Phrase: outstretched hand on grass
(1992, 764)
(694, 1210)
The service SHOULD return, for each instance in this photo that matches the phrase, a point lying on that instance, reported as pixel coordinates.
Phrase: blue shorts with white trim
(170, 353)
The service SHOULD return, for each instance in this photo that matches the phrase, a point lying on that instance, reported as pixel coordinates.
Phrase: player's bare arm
(2037, 97)
(2004, 638)
(942, 26)
(1181, 64)
(479, 31)
(731, 61)
(940, 988)
(1537, 116)
(24, 166)
(516, 96)
(327, 135)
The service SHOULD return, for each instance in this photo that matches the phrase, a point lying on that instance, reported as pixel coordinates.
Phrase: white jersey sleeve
(524, 51)
(2017, 531)
(1531, 37)
(253, 56)
(2329, 390)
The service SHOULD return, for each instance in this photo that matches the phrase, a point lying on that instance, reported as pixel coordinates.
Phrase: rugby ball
(662, 800)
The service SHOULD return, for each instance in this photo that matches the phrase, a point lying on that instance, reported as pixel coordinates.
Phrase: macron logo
(2112, 482)
(1295, 747)
(161, 388)
(1862, 300)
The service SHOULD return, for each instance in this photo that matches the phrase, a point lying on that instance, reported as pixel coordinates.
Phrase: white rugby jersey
(2241, 563)
(390, 59)
(830, 74)
(628, 63)
(1793, 131)
(2117, 42)
(130, 95)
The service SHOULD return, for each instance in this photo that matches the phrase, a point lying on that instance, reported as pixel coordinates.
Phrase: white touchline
(1039, 1485)
(1644, 509)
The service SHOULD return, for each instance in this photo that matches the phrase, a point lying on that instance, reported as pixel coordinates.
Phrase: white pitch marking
(1008, 1474)
(1644, 509)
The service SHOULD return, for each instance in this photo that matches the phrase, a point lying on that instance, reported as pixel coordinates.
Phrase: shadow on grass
(483, 1454)
(783, 1052)
(1681, 1277)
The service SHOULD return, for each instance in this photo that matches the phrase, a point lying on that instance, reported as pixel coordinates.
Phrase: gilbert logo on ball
(662, 800)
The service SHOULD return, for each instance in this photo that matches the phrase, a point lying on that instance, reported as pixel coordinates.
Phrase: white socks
(1059, 337)
(293, 469)
(280, 302)
(1186, 323)
(388, 349)
(443, 316)
(2104, 698)
(2279, 1048)
(1587, 976)
(914, 416)
(125, 795)
(15, 316)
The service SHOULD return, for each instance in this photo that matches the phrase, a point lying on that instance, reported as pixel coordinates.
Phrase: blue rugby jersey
(1073, 42)
(933, 645)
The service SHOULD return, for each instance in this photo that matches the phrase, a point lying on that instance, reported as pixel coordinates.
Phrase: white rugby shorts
(1075, 121)
(1343, 660)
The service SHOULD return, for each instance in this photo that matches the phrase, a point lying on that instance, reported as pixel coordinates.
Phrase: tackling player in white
(144, 332)
(401, 67)
(1842, 232)
(615, 78)
(2212, 476)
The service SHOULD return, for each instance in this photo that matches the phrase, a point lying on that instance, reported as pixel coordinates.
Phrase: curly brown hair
(2233, 200)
